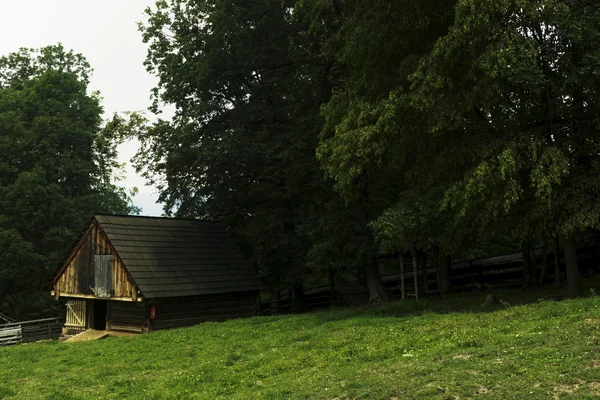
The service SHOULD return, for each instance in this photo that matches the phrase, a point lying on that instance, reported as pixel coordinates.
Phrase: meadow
(450, 348)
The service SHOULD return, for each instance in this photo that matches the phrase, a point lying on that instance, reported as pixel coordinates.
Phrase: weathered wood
(544, 261)
(128, 317)
(103, 273)
(179, 312)
(30, 331)
(415, 271)
(76, 315)
(557, 263)
(402, 277)
(12, 335)
(79, 277)
(573, 277)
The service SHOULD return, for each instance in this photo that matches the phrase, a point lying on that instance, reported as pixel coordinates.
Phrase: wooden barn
(138, 274)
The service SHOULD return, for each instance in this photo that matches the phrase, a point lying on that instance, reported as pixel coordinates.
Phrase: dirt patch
(461, 357)
(566, 388)
(594, 388)
(482, 390)
(592, 321)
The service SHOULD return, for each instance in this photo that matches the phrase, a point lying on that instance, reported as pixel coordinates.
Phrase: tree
(248, 82)
(56, 169)
(371, 153)
(517, 75)
(486, 109)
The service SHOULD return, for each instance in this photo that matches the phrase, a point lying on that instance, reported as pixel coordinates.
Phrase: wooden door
(76, 316)
(102, 275)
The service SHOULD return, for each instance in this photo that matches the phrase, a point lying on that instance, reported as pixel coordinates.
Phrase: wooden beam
(91, 296)
(415, 271)
(402, 277)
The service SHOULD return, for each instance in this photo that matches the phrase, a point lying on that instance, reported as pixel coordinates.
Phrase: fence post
(402, 276)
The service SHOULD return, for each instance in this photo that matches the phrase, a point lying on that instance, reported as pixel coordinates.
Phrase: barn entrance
(100, 313)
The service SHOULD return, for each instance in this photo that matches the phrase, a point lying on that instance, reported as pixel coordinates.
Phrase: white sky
(105, 32)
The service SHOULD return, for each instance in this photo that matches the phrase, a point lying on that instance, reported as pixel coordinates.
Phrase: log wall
(128, 317)
(186, 311)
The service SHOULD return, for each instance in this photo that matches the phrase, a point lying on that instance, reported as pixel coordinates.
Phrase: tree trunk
(275, 301)
(415, 272)
(526, 264)
(557, 263)
(445, 273)
(596, 234)
(573, 278)
(402, 287)
(544, 261)
(377, 293)
(424, 275)
(332, 286)
(533, 272)
(299, 301)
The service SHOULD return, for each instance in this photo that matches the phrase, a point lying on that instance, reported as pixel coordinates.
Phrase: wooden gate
(75, 315)
(102, 275)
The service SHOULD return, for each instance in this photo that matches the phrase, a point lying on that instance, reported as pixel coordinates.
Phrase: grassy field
(435, 349)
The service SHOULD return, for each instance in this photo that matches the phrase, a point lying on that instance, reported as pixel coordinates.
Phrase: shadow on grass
(462, 302)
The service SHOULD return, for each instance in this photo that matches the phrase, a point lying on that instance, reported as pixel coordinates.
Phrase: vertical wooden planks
(80, 275)
(76, 315)
(104, 275)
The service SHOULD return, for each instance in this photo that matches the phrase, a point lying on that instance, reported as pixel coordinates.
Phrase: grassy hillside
(447, 349)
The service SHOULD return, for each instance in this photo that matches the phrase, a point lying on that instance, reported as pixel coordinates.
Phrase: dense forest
(329, 133)
(325, 134)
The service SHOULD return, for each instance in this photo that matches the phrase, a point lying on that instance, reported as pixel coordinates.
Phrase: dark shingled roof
(169, 257)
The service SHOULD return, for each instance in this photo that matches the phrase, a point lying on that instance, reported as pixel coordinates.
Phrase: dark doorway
(100, 309)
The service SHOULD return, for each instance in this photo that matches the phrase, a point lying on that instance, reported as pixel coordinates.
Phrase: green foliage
(457, 126)
(513, 73)
(56, 169)
(483, 114)
(247, 81)
(431, 349)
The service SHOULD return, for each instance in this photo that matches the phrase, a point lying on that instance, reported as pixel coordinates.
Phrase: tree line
(57, 168)
(327, 133)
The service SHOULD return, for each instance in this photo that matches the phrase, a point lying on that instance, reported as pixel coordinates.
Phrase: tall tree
(517, 74)
(368, 148)
(247, 82)
(56, 169)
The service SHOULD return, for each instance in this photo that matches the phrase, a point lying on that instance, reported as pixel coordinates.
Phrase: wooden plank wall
(172, 313)
(78, 277)
(126, 316)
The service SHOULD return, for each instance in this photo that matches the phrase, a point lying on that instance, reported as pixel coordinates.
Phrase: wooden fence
(499, 271)
(30, 331)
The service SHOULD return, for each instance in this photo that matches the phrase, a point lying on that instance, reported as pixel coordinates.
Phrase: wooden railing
(498, 271)
(30, 331)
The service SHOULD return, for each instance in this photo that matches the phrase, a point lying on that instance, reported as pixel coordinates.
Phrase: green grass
(435, 349)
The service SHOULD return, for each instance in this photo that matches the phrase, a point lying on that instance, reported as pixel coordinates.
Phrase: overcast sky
(106, 33)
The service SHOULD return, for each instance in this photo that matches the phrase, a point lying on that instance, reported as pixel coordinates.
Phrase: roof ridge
(156, 217)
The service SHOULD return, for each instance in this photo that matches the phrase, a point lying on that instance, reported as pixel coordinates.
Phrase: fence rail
(30, 331)
(498, 271)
